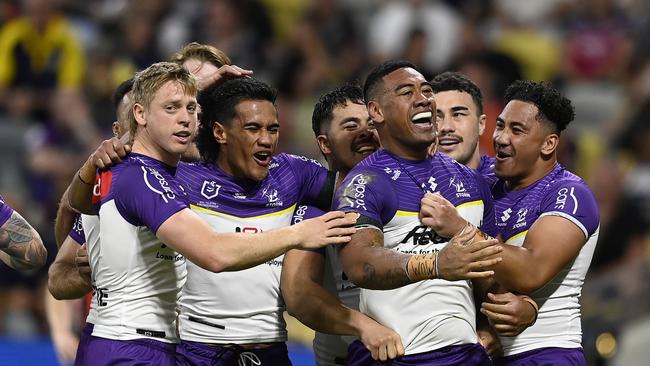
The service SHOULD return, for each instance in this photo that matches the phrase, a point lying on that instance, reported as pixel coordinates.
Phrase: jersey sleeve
(315, 182)
(77, 232)
(306, 212)
(5, 211)
(488, 224)
(369, 194)
(574, 201)
(145, 197)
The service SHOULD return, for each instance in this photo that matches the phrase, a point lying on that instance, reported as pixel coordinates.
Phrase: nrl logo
(210, 189)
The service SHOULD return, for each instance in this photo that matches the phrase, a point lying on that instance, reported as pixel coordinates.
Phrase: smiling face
(459, 126)
(524, 146)
(166, 126)
(348, 140)
(248, 141)
(402, 113)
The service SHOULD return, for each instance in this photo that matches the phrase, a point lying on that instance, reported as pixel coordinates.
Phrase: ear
(375, 112)
(140, 114)
(481, 124)
(324, 144)
(219, 133)
(116, 129)
(550, 144)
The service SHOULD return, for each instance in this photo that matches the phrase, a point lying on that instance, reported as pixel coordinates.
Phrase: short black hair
(455, 81)
(552, 106)
(376, 74)
(218, 103)
(339, 97)
(119, 93)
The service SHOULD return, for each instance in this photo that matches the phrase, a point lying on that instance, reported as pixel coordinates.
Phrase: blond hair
(147, 82)
(201, 52)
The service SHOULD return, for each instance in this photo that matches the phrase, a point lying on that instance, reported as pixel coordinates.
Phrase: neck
(474, 160)
(537, 174)
(141, 147)
(409, 153)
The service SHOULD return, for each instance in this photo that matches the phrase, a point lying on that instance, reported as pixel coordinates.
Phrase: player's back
(137, 278)
(243, 306)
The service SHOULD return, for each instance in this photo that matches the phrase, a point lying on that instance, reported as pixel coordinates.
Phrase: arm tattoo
(393, 274)
(17, 240)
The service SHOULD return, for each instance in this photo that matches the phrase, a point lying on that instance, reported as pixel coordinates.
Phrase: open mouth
(448, 142)
(183, 136)
(365, 149)
(422, 118)
(502, 155)
(262, 158)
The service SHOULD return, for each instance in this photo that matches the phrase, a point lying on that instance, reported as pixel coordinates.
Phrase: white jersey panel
(558, 322)
(449, 305)
(90, 225)
(235, 307)
(137, 279)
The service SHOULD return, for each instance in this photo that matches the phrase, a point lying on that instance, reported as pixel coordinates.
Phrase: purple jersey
(137, 277)
(560, 193)
(486, 169)
(5, 211)
(386, 190)
(221, 307)
(77, 231)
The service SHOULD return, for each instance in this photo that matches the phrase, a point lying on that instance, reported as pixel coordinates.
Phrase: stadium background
(55, 89)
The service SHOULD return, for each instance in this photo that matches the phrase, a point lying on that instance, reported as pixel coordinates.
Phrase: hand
(508, 314)
(331, 228)
(65, 345)
(440, 215)
(222, 74)
(383, 343)
(488, 338)
(109, 153)
(82, 261)
(465, 259)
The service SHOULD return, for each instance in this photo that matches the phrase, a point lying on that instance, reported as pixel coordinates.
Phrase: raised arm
(21, 247)
(65, 218)
(308, 301)
(191, 236)
(80, 190)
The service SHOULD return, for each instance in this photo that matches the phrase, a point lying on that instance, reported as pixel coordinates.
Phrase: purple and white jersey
(560, 193)
(486, 169)
(85, 230)
(137, 278)
(5, 211)
(386, 190)
(243, 306)
(77, 231)
(331, 347)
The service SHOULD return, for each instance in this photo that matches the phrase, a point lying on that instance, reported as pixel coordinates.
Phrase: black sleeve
(324, 200)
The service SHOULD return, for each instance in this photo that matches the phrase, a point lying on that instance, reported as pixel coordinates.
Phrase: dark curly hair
(124, 88)
(455, 81)
(375, 76)
(339, 97)
(218, 104)
(553, 107)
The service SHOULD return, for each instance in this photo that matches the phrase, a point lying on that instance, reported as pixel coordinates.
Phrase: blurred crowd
(60, 61)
